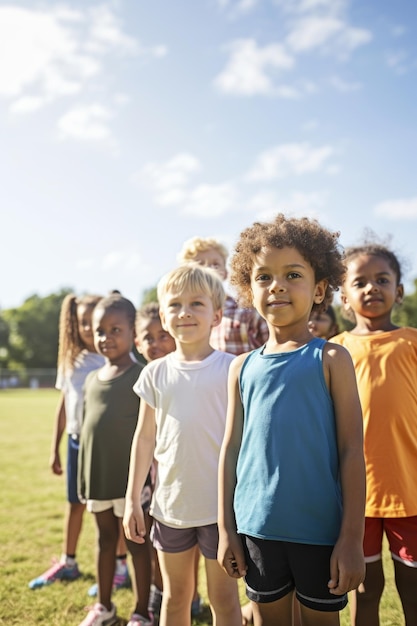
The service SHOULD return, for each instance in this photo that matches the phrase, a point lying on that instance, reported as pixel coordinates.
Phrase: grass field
(31, 521)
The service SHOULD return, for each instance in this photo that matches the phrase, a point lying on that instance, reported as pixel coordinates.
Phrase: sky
(128, 127)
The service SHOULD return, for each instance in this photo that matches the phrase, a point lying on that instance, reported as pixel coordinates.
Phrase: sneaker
(139, 620)
(58, 571)
(120, 581)
(98, 615)
(155, 600)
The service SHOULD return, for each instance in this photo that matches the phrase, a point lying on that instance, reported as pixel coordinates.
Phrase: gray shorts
(168, 539)
(276, 568)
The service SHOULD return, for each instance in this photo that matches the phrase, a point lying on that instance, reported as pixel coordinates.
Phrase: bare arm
(230, 553)
(347, 568)
(59, 429)
(141, 457)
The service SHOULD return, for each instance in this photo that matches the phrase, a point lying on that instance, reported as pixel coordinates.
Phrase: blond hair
(195, 278)
(193, 246)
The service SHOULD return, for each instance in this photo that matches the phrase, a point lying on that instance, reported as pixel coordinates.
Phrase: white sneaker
(98, 615)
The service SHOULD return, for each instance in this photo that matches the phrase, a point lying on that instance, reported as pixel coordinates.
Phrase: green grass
(32, 504)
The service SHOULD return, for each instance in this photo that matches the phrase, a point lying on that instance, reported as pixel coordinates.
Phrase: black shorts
(276, 568)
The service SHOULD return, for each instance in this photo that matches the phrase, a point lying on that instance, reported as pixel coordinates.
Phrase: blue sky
(127, 127)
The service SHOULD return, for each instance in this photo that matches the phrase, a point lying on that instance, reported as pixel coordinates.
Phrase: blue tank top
(288, 486)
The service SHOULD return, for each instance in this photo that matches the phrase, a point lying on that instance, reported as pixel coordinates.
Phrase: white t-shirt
(72, 386)
(190, 400)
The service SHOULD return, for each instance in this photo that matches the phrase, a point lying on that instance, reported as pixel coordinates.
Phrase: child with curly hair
(291, 471)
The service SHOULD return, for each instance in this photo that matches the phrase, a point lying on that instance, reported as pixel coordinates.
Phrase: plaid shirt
(240, 330)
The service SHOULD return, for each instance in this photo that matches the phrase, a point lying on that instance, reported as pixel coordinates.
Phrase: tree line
(29, 333)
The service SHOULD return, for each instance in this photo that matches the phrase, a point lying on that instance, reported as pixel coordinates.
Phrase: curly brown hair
(319, 246)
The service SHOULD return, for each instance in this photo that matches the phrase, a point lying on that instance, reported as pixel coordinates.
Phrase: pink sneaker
(58, 571)
(98, 615)
(139, 620)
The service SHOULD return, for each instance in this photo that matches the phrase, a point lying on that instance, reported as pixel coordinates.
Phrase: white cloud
(289, 159)
(58, 52)
(246, 72)
(86, 123)
(105, 33)
(168, 180)
(210, 200)
(397, 209)
(326, 33)
(399, 61)
(344, 86)
(307, 6)
(266, 204)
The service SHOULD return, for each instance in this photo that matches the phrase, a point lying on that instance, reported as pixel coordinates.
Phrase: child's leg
(281, 612)
(178, 581)
(406, 582)
(309, 617)
(121, 543)
(273, 613)
(108, 532)
(195, 607)
(72, 526)
(223, 595)
(369, 595)
(141, 558)
(75, 509)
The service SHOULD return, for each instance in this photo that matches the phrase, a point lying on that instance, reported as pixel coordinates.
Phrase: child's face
(321, 325)
(113, 334)
(284, 287)
(152, 340)
(189, 316)
(214, 260)
(85, 330)
(370, 288)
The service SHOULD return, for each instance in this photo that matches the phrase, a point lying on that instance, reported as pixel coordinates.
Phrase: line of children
(385, 359)
(181, 424)
(110, 418)
(77, 356)
(291, 472)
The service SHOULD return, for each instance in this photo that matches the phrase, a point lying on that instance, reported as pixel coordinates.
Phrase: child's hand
(134, 523)
(347, 567)
(55, 464)
(230, 555)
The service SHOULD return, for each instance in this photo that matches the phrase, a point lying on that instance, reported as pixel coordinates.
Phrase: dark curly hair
(318, 246)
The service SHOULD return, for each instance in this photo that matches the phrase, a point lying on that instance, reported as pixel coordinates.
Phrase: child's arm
(59, 429)
(347, 567)
(230, 553)
(141, 457)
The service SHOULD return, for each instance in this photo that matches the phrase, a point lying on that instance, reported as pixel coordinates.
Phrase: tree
(33, 338)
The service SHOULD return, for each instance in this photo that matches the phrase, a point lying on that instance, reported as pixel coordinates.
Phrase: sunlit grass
(31, 525)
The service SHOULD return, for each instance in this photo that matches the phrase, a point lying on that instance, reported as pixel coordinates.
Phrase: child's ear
(217, 318)
(320, 291)
(345, 302)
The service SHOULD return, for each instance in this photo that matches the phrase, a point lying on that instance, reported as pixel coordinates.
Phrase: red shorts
(401, 533)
